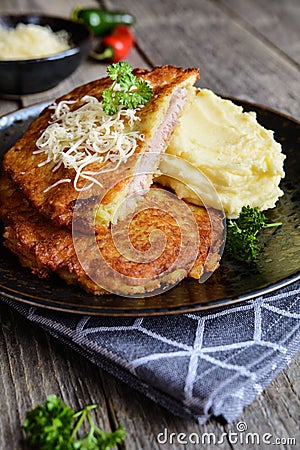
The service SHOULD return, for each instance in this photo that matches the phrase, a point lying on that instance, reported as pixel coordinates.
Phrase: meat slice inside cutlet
(47, 249)
(171, 88)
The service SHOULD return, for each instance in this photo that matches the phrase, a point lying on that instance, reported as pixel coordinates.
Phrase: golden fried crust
(46, 249)
(58, 203)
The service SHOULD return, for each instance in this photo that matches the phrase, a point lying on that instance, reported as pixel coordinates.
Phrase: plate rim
(216, 304)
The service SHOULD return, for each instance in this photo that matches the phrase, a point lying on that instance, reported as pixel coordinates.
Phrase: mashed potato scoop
(238, 155)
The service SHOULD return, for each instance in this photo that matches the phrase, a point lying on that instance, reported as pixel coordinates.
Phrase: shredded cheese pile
(86, 135)
(31, 41)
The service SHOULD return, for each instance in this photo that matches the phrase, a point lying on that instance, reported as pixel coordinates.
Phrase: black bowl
(36, 75)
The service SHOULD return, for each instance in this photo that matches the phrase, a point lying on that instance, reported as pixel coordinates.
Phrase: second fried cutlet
(45, 248)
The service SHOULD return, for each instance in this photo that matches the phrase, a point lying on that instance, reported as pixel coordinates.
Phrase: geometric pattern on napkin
(210, 363)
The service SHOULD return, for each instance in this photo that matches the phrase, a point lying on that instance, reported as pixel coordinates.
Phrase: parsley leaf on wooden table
(55, 426)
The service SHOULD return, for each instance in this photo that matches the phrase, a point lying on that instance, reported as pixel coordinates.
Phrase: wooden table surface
(246, 49)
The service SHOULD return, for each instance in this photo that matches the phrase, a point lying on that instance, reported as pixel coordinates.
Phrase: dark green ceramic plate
(278, 264)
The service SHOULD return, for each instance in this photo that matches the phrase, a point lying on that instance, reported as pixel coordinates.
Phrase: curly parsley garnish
(242, 241)
(127, 90)
(55, 426)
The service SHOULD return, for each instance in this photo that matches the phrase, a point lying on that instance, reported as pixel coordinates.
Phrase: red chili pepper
(115, 46)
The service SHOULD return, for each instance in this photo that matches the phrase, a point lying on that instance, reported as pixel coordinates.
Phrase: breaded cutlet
(46, 249)
(171, 86)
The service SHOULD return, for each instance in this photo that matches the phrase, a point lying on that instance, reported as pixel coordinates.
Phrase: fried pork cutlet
(171, 86)
(45, 248)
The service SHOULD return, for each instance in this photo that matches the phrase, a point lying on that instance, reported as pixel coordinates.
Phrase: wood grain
(34, 365)
(244, 49)
(269, 19)
(233, 59)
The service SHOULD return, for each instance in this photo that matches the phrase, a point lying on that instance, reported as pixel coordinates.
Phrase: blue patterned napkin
(199, 365)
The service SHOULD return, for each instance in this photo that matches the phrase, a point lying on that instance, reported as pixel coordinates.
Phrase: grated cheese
(87, 135)
(28, 41)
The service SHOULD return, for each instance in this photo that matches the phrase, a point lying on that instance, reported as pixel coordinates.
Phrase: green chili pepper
(101, 21)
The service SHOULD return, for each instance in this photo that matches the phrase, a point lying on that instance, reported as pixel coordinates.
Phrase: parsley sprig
(127, 90)
(55, 426)
(242, 241)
